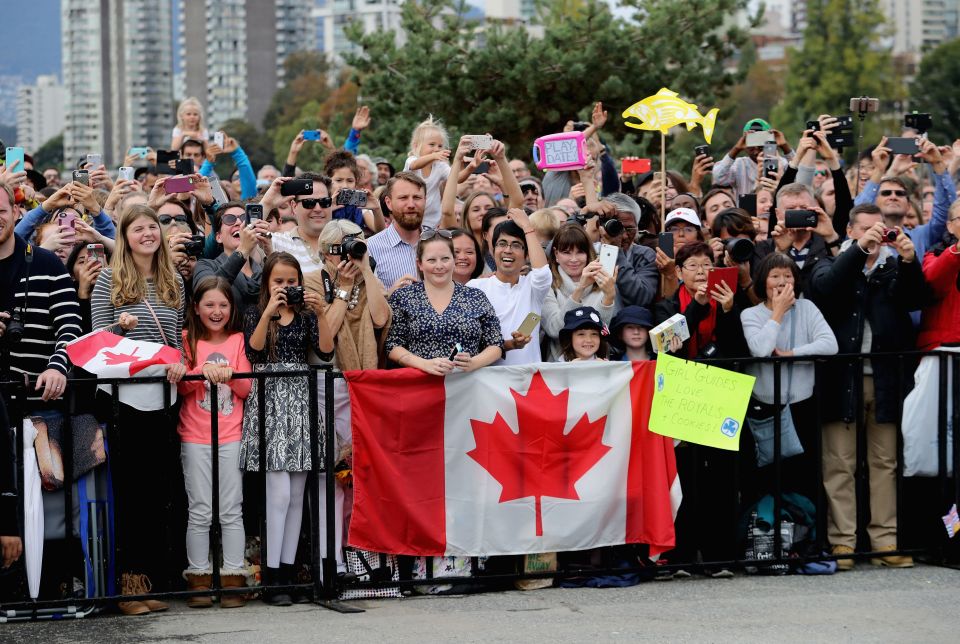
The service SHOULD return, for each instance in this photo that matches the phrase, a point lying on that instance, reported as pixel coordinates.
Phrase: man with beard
(395, 248)
(312, 213)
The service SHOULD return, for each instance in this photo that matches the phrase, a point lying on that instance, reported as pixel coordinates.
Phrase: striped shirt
(395, 257)
(291, 242)
(51, 313)
(104, 313)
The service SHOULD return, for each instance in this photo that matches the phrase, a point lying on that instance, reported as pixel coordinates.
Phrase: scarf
(704, 332)
(356, 341)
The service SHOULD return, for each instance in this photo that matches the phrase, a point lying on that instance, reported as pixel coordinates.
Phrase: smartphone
(125, 173)
(166, 160)
(254, 211)
(351, 198)
(218, 139)
(919, 121)
(529, 324)
(14, 155)
(457, 348)
(665, 243)
(758, 139)
(94, 161)
(81, 176)
(481, 141)
(800, 219)
(95, 254)
(68, 219)
(903, 145)
(296, 187)
(140, 151)
(634, 166)
(183, 166)
(482, 168)
(608, 257)
(748, 203)
(727, 275)
(311, 135)
(770, 150)
(218, 194)
(701, 149)
(177, 185)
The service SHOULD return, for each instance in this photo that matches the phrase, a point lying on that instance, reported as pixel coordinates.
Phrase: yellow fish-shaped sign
(664, 110)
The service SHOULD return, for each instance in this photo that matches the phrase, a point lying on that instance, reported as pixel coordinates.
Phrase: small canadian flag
(108, 355)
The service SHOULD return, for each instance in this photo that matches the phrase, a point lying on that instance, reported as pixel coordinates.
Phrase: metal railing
(326, 586)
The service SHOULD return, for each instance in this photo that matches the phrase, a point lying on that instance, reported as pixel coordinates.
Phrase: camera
(351, 198)
(294, 295)
(740, 249)
(889, 235)
(921, 122)
(194, 247)
(611, 226)
(350, 247)
(14, 332)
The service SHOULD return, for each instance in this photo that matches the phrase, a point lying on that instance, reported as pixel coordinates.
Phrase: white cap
(682, 214)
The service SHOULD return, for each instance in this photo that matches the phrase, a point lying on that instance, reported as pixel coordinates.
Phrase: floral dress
(287, 414)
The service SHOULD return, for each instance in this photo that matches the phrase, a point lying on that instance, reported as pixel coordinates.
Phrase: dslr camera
(294, 295)
(194, 247)
(14, 332)
(350, 247)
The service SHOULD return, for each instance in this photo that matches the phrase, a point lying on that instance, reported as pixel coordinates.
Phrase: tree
(254, 142)
(334, 115)
(50, 154)
(306, 78)
(500, 79)
(934, 90)
(841, 57)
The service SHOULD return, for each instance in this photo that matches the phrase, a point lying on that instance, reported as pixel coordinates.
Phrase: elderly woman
(578, 280)
(437, 318)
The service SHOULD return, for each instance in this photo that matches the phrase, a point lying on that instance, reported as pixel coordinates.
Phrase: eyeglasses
(504, 244)
(529, 188)
(953, 219)
(887, 193)
(430, 233)
(229, 220)
(310, 204)
(683, 231)
(696, 268)
(166, 219)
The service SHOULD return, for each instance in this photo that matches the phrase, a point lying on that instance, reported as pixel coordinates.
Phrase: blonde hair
(545, 223)
(190, 102)
(421, 132)
(128, 285)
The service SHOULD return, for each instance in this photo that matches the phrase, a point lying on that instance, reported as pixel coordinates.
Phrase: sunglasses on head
(310, 204)
(166, 219)
(430, 233)
(529, 188)
(887, 193)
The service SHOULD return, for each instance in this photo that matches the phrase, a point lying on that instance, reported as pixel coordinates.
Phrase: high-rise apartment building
(40, 112)
(232, 52)
(332, 16)
(117, 75)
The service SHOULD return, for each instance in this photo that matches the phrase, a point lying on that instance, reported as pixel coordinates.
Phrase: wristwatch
(341, 294)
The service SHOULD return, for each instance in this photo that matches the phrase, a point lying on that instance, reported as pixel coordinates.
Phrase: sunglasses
(310, 204)
(887, 193)
(229, 220)
(430, 233)
(526, 189)
(820, 173)
(166, 219)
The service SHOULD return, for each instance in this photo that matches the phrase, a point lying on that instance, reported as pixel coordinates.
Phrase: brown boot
(892, 561)
(155, 605)
(233, 579)
(129, 585)
(199, 582)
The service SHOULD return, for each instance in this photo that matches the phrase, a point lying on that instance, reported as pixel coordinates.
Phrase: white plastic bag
(921, 413)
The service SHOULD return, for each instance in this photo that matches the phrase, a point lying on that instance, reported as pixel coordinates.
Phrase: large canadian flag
(510, 460)
(107, 355)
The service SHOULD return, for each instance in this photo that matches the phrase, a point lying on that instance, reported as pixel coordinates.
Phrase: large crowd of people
(438, 267)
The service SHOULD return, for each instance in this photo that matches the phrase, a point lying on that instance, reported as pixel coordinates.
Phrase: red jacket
(940, 322)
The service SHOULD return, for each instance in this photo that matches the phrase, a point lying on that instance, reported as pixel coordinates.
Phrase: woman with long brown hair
(143, 295)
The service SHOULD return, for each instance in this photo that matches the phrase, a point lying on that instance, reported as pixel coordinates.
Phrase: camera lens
(890, 235)
(613, 227)
(14, 332)
(741, 250)
(354, 248)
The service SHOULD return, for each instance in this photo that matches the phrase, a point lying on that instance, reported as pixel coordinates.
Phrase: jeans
(198, 478)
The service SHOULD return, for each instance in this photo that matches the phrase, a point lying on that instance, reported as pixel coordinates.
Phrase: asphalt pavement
(866, 605)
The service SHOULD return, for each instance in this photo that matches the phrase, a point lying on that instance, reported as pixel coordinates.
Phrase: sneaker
(843, 564)
(892, 561)
(720, 573)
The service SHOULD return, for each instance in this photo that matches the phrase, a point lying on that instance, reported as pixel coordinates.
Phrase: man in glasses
(312, 213)
(891, 195)
(394, 248)
(514, 295)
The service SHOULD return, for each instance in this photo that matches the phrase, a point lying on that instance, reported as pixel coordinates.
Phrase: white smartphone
(608, 257)
(218, 139)
(94, 161)
(217, 189)
(125, 173)
(757, 139)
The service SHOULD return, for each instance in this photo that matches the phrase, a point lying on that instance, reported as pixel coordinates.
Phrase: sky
(31, 32)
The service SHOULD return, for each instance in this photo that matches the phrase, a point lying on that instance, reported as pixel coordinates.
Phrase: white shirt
(439, 171)
(513, 302)
(291, 242)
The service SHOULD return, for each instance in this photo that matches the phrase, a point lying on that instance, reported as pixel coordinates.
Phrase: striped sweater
(104, 313)
(52, 314)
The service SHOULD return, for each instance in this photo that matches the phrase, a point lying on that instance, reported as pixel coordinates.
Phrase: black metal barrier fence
(326, 587)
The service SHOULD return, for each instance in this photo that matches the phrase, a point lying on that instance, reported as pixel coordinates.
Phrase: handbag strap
(157, 320)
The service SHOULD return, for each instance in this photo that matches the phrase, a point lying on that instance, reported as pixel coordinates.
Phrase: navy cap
(633, 314)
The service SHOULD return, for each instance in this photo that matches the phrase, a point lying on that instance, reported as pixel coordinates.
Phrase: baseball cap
(757, 125)
(682, 214)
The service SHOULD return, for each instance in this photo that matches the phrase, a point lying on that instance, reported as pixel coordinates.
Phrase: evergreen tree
(935, 90)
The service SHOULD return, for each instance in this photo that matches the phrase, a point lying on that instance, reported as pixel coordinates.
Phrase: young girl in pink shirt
(214, 347)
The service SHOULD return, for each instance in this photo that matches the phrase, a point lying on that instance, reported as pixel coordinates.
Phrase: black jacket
(818, 252)
(246, 290)
(9, 516)
(847, 298)
(728, 334)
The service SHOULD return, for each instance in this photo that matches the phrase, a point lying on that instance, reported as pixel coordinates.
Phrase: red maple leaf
(538, 460)
(112, 358)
